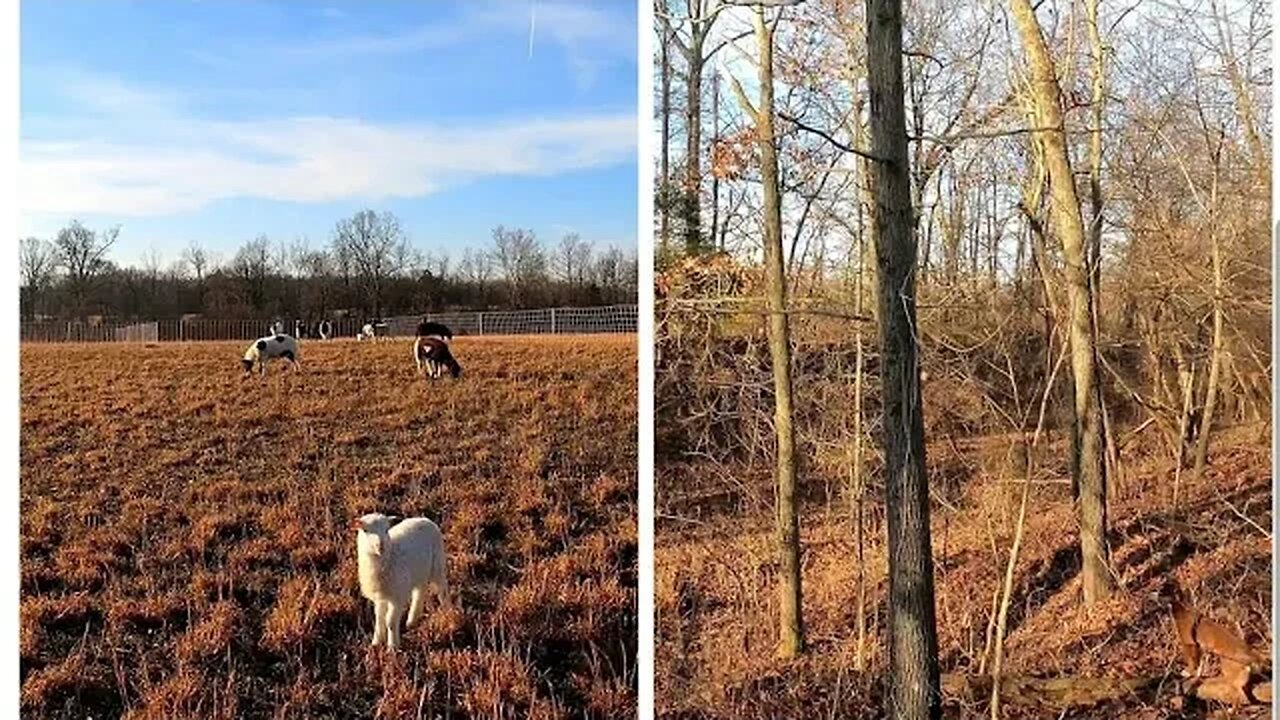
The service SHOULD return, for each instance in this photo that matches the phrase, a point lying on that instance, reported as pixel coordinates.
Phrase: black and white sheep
(432, 355)
(269, 348)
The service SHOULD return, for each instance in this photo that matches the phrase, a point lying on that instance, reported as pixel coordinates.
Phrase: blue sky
(215, 121)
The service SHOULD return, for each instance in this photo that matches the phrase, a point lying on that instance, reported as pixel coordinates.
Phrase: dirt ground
(185, 538)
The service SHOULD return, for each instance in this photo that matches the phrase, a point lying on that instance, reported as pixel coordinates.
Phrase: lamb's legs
(379, 622)
(395, 614)
(415, 606)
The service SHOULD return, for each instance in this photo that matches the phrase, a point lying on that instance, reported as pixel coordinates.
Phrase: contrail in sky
(533, 20)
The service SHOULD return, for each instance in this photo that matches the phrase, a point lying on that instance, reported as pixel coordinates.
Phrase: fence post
(480, 321)
(553, 321)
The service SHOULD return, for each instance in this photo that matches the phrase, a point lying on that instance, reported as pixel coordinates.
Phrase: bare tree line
(369, 266)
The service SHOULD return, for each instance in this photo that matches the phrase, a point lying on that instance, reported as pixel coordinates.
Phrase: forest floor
(186, 546)
(717, 603)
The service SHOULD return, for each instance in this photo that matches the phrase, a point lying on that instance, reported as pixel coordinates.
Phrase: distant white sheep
(366, 333)
(268, 348)
(399, 564)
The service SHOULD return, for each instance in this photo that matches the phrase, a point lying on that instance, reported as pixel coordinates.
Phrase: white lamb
(271, 346)
(399, 564)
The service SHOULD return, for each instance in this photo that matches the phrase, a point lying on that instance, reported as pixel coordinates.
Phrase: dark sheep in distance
(439, 331)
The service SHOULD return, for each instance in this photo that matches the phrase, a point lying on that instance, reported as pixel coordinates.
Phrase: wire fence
(542, 321)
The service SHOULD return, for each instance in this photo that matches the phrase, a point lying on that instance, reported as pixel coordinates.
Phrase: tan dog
(1199, 636)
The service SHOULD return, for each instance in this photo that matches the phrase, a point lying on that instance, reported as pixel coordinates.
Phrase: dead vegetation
(184, 539)
(716, 603)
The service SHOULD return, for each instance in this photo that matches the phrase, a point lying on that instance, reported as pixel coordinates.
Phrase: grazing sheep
(267, 348)
(324, 329)
(366, 333)
(432, 355)
(436, 330)
(398, 565)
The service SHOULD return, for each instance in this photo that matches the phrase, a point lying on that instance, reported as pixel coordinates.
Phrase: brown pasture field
(185, 540)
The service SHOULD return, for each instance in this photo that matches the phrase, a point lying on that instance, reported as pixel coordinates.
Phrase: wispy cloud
(141, 153)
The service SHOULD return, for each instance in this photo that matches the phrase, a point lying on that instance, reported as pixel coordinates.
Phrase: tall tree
(316, 268)
(376, 249)
(700, 16)
(791, 620)
(37, 261)
(913, 636)
(614, 268)
(83, 254)
(195, 258)
(521, 260)
(1216, 348)
(572, 259)
(253, 267)
(475, 268)
(664, 169)
(1064, 211)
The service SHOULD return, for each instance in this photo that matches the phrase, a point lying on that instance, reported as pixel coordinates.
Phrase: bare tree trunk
(859, 483)
(664, 232)
(913, 643)
(692, 207)
(866, 198)
(1095, 149)
(715, 179)
(1187, 382)
(993, 236)
(1065, 210)
(792, 625)
(1097, 105)
(1115, 472)
(1215, 356)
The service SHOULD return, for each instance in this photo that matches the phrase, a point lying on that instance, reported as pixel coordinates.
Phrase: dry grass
(185, 550)
(716, 578)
